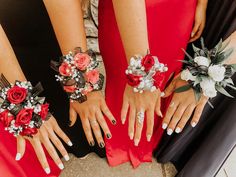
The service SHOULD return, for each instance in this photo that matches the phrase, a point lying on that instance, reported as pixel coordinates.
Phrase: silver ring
(140, 116)
(172, 104)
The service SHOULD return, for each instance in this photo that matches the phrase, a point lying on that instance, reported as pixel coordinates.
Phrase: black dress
(31, 35)
(202, 150)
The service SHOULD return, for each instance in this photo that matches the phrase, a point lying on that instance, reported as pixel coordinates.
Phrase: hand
(91, 115)
(200, 20)
(47, 134)
(181, 108)
(137, 103)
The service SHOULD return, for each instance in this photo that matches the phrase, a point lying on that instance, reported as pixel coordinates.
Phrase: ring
(140, 116)
(172, 104)
(93, 122)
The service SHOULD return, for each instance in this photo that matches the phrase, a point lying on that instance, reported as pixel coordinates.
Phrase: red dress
(169, 26)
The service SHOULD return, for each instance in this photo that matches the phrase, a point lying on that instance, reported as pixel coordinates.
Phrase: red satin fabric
(169, 26)
(28, 166)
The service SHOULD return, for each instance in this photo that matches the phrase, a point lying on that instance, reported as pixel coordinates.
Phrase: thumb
(169, 90)
(20, 147)
(73, 116)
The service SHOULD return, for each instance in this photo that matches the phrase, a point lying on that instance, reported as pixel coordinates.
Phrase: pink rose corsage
(78, 74)
(145, 73)
(22, 112)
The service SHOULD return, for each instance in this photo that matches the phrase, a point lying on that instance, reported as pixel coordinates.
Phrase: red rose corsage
(145, 73)
(79, 74)
(22, 112)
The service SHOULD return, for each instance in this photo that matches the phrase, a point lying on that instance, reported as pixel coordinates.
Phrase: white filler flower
(202, 61)
(187, 75)
(208, 87)
(216, 72)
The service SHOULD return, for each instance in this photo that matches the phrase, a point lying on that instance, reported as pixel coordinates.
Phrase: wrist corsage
(206, 72)
(22, 112)
(145, 73)
(79, 74)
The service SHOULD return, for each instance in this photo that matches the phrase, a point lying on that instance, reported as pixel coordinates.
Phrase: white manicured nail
(47, 170)
(164, 126)
(70, 143)
(149, 138)
(169, 131)
(61, 166)
(162, 94)
(192, 34)
(123, 121)
(66, 157)
(177, 130)
(136, 142)
(131, 136)
(18, 156)
(193, 124)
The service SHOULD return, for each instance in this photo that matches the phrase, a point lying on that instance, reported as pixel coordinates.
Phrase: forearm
(132, 24)
(231, 45)
(67, 20)
(203, 2)
(9, 65)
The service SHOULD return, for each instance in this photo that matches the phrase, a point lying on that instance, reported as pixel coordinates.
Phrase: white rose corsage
(206, 72)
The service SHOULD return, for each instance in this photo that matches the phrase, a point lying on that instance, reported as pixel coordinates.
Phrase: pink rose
(70, 88)
(65, 69)
(92, 76)
(82, 60)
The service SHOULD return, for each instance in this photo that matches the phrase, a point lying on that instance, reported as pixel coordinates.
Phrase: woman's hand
(138, 105)
(91, 115)
(48, 136)
(200, 20)
(181, 108)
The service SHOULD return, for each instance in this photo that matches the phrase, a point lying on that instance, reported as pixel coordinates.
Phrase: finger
(197, 114)
(198, 33)
(132, 114)
(124, 111)
(20, 148)
(150, 124)
(195, 29)
(158, 107)
(40, 154)
(184, 119)
(176, 118)
(107, 112)
(103, 124)
(88, 131)
(73, 116)
(97, 132)
(139, 126)
(169, 90)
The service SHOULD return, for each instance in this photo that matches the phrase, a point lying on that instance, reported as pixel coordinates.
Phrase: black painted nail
(91, 143)
(113, 122)
(101, 145)
(108, 136)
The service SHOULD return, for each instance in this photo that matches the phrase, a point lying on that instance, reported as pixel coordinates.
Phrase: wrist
(203, 3)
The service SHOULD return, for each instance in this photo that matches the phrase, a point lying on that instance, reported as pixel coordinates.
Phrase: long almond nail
(67, 158)
(18, 156)
(149, 138)
(47, 170)
(131, 136)
(101, 145)
(61, 166)
(113, 122)
(164, 126)
(108, 136)
(136, 142)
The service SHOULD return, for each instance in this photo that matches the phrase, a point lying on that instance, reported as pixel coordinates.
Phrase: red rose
(158, 79)
(133, 80)
(16, 94)
(24, 117)
(6, 118)
(44, 111)
(29, 131)
(148, 62)
(92, 76)
(82, 60)
(70, 89)
(65, 69)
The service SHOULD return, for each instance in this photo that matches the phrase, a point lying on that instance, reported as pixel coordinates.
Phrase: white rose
(202, 61)
(187, 75)
(216, 72)
(208, 87)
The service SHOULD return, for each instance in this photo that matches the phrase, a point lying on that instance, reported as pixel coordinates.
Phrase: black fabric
(201, 151)
(29, 30)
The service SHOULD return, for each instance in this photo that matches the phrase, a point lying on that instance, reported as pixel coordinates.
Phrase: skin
(49, 132)
(70, 33)
(185, 103)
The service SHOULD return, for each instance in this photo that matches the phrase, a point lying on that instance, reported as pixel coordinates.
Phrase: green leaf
(183, 88)
(224, 45)
(229, 81)
(227, 53)
(219, 45)
(202, 43)
(223, 91)
(197, 94)
(210, 104)
(195, 49)
(186, 53)
(233, 66)
(231, 86)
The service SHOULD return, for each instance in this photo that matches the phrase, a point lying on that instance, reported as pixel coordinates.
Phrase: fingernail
(61, 166)
(169, 131)
(91, 143)
(67, 158)
(18, 156)
(108, 136)
(160, 114)
(164, 126)
(136, 142)
(113, 122)
(192, 34)
(47, 170)
(101, 145)
(131, 136)
(149, 138)
(177, 130)
(123, 121)
(70, 143)
(162, 94)
(193, 124)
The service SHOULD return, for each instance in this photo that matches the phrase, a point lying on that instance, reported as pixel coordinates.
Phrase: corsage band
(145, 73)
(78, 74)
(22, 112)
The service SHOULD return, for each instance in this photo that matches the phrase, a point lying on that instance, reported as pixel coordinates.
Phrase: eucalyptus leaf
(231, 86)
(224, 45)
(195, 49)
(229, 81)
(183, 88)
(223, 91)
(197, 94)
(186, 53)
(219, 45)
(202, 43)
(210, 104)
